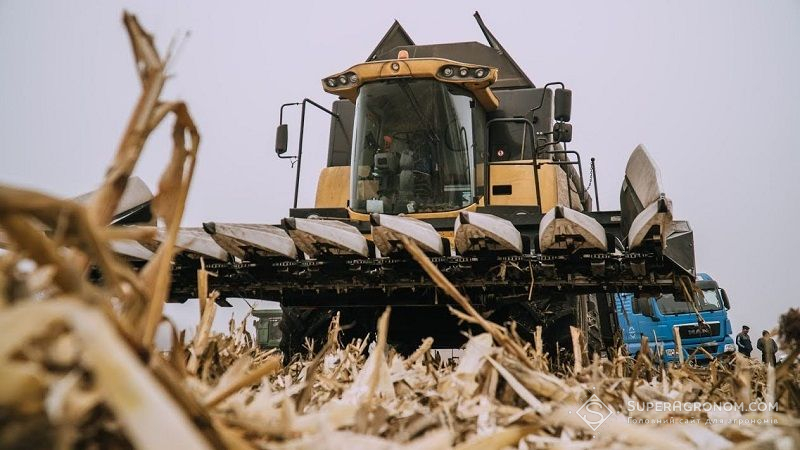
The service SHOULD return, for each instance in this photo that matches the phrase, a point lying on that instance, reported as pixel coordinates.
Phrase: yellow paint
(363, 217)
(523, 185)
(333, 187)
(416, 68)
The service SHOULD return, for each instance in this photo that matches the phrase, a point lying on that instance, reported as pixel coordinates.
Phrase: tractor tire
(523, 314)
(594, 327)
(297, 325)
(557, 340)
(527, 316)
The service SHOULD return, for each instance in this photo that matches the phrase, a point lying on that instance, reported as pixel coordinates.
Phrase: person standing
(768, 348)
(743, 341)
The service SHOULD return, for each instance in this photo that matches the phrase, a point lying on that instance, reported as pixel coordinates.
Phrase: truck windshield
(709, 301)
(414, 147)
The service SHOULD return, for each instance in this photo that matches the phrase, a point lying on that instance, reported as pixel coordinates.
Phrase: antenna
(495, 44)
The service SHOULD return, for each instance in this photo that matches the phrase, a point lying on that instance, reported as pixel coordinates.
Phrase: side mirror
(562, 132)
(640, 305)
(651, 309)
(282, 139)
(725, 300)
(644, 306)
(563, 105)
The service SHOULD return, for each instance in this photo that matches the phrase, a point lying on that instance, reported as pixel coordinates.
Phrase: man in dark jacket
(768, 348)
(743, 341)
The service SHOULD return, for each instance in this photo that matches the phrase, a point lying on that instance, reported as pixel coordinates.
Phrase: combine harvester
(454, 147)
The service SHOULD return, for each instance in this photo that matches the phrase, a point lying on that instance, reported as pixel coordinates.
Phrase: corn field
(79, 367)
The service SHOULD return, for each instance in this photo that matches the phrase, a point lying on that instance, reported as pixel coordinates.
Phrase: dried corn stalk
(78, 367)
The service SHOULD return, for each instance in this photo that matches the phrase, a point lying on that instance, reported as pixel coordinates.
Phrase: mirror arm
(299, 157)
(280, 122)
(544, 90)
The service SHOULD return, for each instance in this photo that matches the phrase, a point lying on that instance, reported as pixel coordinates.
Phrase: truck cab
(268, 331)
(657, 317)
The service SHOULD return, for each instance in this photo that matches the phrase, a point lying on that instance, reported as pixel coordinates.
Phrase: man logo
(594, 412)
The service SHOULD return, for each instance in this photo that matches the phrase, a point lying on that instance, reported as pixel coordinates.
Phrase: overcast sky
(711, 88)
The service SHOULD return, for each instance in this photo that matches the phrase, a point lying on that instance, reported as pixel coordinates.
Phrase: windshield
(414, 147)
(709, 301)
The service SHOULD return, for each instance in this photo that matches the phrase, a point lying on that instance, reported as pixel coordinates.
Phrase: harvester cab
(452, 147)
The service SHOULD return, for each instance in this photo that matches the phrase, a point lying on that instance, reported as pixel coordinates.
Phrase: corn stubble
(78, 367)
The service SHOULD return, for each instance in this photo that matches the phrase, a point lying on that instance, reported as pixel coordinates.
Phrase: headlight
(353, 78)
(480, 73)
(730, 348)
(448, 72)
(330, 82)
(669, 351)
(342, 79)
(462, 72)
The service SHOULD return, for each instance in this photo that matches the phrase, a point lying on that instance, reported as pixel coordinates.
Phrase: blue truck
(656, 317)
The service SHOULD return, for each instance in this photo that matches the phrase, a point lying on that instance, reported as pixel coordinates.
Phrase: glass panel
(709, 301)
(414, 147)
(274, 331)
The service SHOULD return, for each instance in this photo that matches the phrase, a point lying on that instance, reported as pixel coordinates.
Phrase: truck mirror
(562, 132)
(645, 307)
(563, 104)
(651, 309)
(725, 300)
(641, 305)
(282, 139)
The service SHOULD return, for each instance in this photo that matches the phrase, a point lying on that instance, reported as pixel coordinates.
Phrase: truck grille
(696, 331)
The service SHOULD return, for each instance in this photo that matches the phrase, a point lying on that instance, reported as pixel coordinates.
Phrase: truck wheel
(297, 324)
